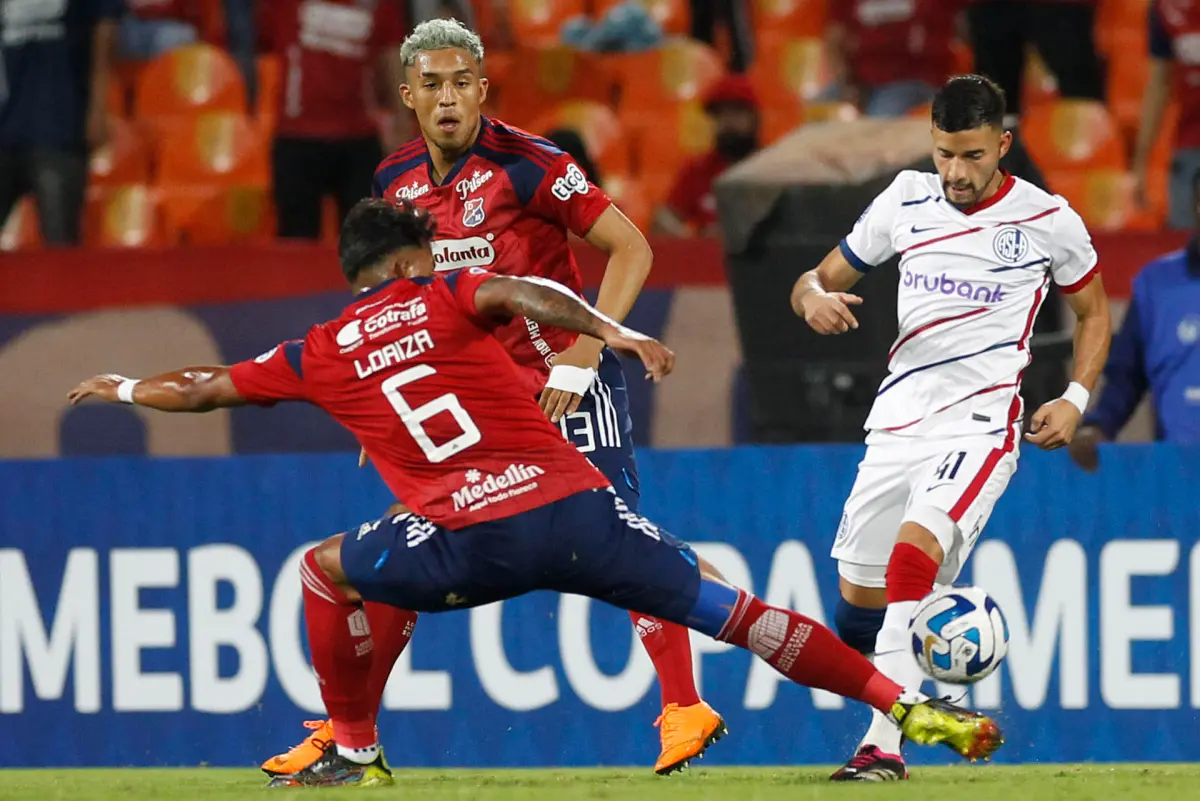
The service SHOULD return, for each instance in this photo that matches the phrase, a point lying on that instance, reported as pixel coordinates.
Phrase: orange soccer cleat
(686, 731)
(306, 753)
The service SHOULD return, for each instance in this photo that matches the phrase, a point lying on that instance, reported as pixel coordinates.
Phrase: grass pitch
(987, 783)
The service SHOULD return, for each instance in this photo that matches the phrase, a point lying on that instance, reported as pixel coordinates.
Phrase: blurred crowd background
(146, 122)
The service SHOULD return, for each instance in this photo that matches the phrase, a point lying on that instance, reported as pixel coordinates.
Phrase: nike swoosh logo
(917, 230)
(931, 489)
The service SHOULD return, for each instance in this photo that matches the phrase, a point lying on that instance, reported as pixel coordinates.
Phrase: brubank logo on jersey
(948, 286)
(479, 491)
(454, 254)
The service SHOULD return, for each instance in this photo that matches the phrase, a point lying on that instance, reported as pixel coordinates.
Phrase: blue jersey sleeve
(1125, 379)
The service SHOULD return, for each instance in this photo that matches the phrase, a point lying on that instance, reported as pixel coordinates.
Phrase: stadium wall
(150, 615)
(68, 314)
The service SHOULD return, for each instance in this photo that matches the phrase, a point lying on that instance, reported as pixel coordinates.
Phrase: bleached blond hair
(441, 34)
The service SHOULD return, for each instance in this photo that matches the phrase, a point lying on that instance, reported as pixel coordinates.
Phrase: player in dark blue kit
(499, 504)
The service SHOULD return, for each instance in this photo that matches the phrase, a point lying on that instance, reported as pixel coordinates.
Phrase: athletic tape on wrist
(125, 390)
(1077, 395)
(576, 380)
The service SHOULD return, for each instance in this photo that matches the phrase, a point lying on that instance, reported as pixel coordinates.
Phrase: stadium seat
(266, 105)
(538, 22)
(673, 15)
(222, 149)
(20, 230)
(599, 128)
(795, 68)
(1038, 85)
(188, 81)
(1116, 19)
(630, 196)
(789, 19)
(1073, 134)
(208, 215)
(122, 216)
(540, 79)
(680, 132)
(1104, 198)
(1128, 71)
(681, 70)
(124, 159)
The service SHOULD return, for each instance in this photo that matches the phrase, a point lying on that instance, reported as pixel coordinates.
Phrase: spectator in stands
(153, 27)
(1157, 348)
(341, 60)
(691, 208)
(1061, 30)
(889, 58)
(55, 63)
(421, 10)
(735, 16)
(1171, 23)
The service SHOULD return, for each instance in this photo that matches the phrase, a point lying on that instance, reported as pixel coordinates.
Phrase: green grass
(986, 783)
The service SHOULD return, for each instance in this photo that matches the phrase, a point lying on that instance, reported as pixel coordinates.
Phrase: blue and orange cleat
(686, 732)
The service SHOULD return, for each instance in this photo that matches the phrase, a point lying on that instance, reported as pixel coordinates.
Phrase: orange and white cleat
(686, 732)
(306, 753)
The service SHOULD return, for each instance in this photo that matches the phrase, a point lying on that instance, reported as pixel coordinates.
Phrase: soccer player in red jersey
(508, 201)
(499, 504)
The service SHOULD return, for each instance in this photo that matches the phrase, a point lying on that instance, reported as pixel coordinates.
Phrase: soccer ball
(958, 635)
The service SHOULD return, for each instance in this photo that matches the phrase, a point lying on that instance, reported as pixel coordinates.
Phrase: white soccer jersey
(971, 284)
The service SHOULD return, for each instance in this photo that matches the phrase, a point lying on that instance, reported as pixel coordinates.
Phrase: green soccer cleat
(335, 770)
(932, 721)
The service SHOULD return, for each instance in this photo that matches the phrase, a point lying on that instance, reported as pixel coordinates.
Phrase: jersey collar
(484, 124)
(375, 290)
(1006, 186)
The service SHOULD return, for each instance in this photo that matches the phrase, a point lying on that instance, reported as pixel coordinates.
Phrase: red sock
(807, 652)
(670, 649)
(910, 573)
(339, 638)
(391, 628)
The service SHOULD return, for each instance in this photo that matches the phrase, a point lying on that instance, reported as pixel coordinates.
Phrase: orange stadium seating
(674, 16)
(601, 131)
(185, 82)
(538, 22)
(122, 216)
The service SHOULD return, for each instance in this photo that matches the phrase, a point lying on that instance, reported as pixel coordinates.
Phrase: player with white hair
(507, 201)
(977, 250)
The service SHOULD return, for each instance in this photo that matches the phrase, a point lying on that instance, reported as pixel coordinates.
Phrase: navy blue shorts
(602, 429)
(589, 543)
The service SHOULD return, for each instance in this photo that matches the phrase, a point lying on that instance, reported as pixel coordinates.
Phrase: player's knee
(709, 571)
(931, 530)
(857, 625)
(328, 558)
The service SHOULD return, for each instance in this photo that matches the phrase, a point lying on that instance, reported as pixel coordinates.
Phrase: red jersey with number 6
(415, 373)
(507, 206)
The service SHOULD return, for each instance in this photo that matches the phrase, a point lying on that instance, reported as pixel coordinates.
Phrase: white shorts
(949, 485)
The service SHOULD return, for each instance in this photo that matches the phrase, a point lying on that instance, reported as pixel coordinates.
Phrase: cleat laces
(319, 742)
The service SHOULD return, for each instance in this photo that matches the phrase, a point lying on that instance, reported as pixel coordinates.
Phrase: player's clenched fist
(1053, 424)
(829, 312)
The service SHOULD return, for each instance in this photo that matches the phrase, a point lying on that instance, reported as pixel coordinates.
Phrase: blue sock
(857, 625)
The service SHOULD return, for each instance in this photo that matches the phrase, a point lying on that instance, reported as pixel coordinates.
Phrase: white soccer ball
(958, 635)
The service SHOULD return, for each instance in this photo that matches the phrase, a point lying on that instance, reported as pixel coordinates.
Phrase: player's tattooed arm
(550, 303)
(192, 389)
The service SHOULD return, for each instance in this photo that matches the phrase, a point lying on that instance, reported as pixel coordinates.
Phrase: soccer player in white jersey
(977, 250)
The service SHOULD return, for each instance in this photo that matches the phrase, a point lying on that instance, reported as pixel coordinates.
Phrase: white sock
(363, 756)
(894, 659)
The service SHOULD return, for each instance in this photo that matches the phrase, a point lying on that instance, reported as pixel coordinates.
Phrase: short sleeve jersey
(415, 373)
(508, 206)
(971, 284)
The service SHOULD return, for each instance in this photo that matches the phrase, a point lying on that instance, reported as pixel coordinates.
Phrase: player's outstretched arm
(549, 303)
(819, 295)
(192, 389)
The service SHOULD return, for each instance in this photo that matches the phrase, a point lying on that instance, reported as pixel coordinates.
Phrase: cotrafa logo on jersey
(935, 284)
(454, 254)
(479, 490)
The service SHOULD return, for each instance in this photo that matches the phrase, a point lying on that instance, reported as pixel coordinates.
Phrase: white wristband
(125, 390)
(1077, 395)
(576, 380)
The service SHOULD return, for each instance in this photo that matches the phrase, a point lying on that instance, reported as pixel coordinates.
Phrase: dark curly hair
(376, 227)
